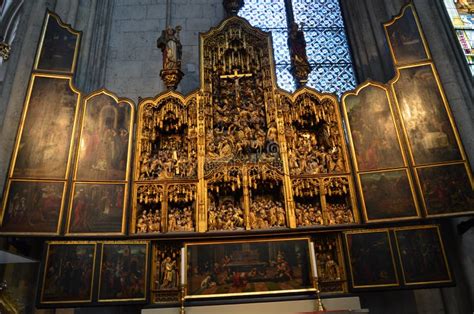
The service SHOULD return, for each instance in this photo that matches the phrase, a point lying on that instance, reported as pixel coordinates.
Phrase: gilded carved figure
(338, 205)
(328, 249)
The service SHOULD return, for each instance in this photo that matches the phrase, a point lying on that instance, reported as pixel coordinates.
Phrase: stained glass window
(461, 13)
(270, 16)
(326, 42)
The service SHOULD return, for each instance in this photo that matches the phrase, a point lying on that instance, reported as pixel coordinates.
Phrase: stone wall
(134, 62)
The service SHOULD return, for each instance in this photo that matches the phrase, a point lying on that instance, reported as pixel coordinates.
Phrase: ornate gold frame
(17, 145)
(87, 234)
(193, 297)
(67, 27)
(413, 194)
(146, 275)
(356, 92)
(49, 243)
(61, 210)
(420, 31)
(423, 201)
(442, 249)
(392, 83)
(125, 182)
(25, 112)
(358, 173)
(106, 92)
(387, 232)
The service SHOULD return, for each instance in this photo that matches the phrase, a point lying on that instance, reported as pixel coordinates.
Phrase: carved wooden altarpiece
(240, 154)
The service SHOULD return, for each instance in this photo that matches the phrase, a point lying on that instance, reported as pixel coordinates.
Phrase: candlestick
(314, 267)
(183, 294)
(183, 266)
(312, 255)
(319, 303)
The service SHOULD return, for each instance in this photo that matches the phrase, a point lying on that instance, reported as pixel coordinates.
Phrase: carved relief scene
(167, 140)
(313, 135)
(181, 207)
(267, 203)
(322, 202)
(225, 209)
(308, 209)
(165, 273)
(149, 208)
(340, 208)
(240, 125)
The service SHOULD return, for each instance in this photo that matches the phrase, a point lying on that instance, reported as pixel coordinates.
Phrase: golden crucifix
(236, 76)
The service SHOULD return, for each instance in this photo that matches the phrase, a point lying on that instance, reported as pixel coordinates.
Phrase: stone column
(96, 24)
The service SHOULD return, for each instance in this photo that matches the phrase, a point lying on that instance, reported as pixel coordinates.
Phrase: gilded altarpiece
(165, 189)
(235, 155)
(322, 187)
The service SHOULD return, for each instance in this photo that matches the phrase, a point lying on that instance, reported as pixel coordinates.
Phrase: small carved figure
(266, 213)
(308, 215)
(225, 217)
(299, 60)
(331, 269)
(142, 226)
(339, 214)
(171, 48)
(180, 219)
(168, 269)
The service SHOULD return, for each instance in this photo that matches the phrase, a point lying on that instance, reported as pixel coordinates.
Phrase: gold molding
(145, 275)
(49, 243)
(445, 259)
(68, 27)
(387, 232)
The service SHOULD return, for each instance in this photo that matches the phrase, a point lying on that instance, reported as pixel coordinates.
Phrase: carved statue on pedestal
(171, 48)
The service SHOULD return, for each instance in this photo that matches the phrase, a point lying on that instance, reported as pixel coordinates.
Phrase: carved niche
(166, 165)
(317, 159)
(313, 135)
(240, 115)
(330, 263)
(243, 165)
(165, 272)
